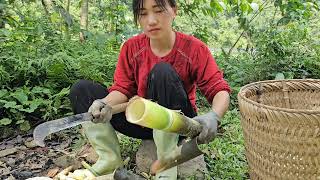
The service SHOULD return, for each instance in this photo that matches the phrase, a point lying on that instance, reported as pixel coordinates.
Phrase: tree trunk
(1, 19)
(48, 6)
(83, 19)
(68, 6)
(68, 25)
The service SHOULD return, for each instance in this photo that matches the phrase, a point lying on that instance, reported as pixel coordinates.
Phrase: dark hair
(138, 4)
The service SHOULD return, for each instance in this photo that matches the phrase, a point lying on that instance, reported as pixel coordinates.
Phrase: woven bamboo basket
(281, 126)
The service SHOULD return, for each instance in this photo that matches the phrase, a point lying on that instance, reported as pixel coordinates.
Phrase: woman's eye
(143, 14)
(159, 11)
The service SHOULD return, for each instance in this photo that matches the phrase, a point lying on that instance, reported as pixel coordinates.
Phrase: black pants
(163, 86)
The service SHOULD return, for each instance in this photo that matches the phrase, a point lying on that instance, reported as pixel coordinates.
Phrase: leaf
(55, 17)
(279, 76)
(5, 121)
(278, 3)
(216, 6)
(223, 5)
(13, 111)
(40, 90)
(20, 96)
(244, 6)
(25, 126)
(20, 121)
(254, 6)
(6, 152)
(33, 105)
(3, 92)
(10, 104)
(63, 92)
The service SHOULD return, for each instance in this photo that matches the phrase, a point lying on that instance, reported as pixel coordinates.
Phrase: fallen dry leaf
(6, 152)
(21, 148)
(20, 158)
(33, 163)
(5, 170)
(2, 164)
(52, 172)
(63, 173)
(30, 144)
(88, 153)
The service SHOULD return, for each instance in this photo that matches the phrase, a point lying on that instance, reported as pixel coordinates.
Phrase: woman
(158, 64)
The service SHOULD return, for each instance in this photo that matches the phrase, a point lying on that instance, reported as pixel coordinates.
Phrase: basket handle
(285, 90)
(259, 93)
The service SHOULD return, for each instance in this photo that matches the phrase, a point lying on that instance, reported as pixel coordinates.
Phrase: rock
(195, 167)
(19, 139)
(146, 155)
(23, 174)
(11, 162)
(67, 160)
(122, 173)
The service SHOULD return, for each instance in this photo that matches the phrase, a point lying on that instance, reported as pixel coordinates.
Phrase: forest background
(48, 45)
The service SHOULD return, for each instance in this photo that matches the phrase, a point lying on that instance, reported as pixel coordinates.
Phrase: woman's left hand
(209, 122)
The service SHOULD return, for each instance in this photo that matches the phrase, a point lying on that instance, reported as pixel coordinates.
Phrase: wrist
(219, 112)
(102, 101)
(214, 115)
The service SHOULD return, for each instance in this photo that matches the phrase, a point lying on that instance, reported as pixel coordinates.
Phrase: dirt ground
(20, 158)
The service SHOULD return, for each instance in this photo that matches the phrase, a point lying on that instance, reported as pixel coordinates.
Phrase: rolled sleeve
(123, 80)
(209, 78)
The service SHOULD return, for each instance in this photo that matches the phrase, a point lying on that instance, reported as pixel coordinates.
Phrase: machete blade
(44, 129)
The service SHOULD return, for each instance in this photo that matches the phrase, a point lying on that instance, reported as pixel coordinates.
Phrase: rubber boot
(104, 141)
(165, 143)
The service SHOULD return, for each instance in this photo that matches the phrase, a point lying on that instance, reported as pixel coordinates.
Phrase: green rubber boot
(104, 141)
(165, 143)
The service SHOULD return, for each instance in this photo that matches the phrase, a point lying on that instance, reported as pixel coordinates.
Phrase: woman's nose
(152, 19)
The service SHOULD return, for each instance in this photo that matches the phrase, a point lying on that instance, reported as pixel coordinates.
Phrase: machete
(46, 128)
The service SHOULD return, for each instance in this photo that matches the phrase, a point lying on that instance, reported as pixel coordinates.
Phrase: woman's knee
(79, 86)
(162, 70)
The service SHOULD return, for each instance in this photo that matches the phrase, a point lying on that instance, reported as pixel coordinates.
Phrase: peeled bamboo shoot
(150, 114)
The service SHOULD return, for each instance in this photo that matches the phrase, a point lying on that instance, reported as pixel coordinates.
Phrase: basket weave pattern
(281, 125)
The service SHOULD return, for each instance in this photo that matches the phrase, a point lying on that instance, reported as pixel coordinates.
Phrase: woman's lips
(154, 29)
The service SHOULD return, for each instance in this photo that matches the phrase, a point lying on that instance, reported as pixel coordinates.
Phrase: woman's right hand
(100, 111)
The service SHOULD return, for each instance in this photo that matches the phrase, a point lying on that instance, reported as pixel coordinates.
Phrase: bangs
(137, 6)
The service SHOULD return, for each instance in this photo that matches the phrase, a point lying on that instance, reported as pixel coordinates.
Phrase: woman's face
(156, 22)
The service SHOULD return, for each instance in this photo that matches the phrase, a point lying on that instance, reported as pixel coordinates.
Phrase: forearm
(220, 103)
(114, 98)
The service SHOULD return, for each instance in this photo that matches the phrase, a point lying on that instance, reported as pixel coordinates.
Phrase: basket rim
(306, 111)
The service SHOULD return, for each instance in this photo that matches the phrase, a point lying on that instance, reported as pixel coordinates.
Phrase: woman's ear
(175, 10)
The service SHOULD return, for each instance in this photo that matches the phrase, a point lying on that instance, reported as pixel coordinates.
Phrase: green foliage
(39, 66)
(296, 10)
(225, 155)
(24, 103)
(289, 49)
